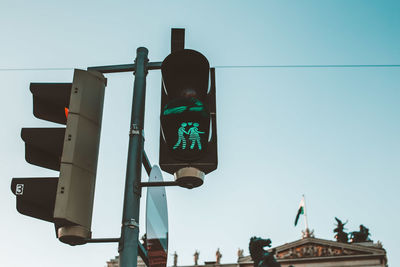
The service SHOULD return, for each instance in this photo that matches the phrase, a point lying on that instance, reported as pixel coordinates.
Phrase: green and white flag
(300, 211)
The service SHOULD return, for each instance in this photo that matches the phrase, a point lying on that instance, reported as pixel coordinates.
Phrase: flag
(300, 211)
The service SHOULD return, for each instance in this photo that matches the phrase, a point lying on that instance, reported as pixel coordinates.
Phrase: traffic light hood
(50, 100)
(185, 74)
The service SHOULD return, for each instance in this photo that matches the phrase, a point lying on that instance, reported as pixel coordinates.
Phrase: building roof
(320, 250)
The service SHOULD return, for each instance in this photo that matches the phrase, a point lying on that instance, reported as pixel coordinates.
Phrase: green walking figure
(194, 136)
(181, 137)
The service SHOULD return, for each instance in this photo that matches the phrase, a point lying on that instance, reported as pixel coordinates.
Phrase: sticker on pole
(156, 221)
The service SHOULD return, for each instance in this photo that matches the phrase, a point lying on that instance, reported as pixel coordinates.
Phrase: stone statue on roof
(175, 259)
(196, 257)
(360, 236)
(240, 253)
(341, 235)
(218, 256)
(260, 256)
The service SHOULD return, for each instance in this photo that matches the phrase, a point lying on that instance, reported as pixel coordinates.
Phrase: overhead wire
(311, 66)
(240, 67)
(34, 69)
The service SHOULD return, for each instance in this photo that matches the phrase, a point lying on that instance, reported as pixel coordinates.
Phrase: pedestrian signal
(188, 124)
(188, 121)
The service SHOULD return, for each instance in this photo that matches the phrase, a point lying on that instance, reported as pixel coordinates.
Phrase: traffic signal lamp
(188, 147)
(67, 200)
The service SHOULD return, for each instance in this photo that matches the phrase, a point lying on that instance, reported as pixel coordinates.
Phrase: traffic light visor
(50, 101)
(185, 74)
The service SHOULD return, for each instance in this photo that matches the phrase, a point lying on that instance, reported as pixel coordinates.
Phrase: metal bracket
(102, 240)
(124, 67)
(165, 183)
(136, 130)
(146, 62)
(146, 163)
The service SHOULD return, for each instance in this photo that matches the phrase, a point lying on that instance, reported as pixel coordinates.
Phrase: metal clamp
(131, 223)
(136, 130)
(146, 61)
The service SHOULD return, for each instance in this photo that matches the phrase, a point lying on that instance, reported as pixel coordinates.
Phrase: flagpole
(305, 214)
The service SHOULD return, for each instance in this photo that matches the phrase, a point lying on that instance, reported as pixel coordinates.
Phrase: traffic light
(188, 139)
(67, 200)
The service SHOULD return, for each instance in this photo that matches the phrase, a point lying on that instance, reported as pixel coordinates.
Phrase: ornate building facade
(315, 252)
(308, 252)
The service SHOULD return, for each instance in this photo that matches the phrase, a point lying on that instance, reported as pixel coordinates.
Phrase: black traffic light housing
(67, 200)
(188, 135)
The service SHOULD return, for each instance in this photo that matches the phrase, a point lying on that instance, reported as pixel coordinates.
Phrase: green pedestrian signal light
(188, 147)
(193, 133)
(188, 123)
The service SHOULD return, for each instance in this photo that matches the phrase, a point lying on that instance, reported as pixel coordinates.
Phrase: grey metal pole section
(128, 245)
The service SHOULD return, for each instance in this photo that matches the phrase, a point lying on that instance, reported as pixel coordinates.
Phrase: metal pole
(128, 245)
(305, 214)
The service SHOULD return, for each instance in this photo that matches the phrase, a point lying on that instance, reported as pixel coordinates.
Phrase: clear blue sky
(329, 133)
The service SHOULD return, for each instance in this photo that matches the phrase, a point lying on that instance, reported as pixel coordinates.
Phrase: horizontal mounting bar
(101, 240)
(124, 67)
(154, 65)
(166, 183)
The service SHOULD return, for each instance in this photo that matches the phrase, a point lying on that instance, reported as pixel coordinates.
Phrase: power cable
(34, 69)
(308, 66)
(241, 67)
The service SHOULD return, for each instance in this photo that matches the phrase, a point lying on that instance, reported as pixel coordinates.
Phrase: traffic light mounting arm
(124, 67)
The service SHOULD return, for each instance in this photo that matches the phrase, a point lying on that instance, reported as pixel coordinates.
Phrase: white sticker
(19, 190)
